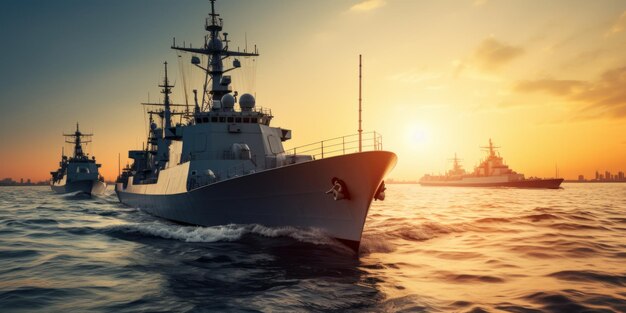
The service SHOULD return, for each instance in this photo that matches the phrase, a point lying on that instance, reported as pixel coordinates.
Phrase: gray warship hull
(548, 183)
(293, 195)
(85, 186)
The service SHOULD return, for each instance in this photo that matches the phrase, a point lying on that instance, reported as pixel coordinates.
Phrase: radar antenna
(77, 139)
(491, 148)
(456, 165)
(216, 48)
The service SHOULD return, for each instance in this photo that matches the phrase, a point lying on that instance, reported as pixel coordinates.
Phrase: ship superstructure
(491, 172)
(457, 170)
(77, 173)
(223, 163)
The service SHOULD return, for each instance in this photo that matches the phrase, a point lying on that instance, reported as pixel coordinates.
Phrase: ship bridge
(254, 116)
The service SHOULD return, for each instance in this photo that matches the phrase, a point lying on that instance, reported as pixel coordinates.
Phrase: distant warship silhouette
(492, 172)
(77, 173)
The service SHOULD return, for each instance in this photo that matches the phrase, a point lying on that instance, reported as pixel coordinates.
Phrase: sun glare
(418, 136)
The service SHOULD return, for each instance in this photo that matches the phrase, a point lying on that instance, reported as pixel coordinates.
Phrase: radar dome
(246, 102)
(228, 101)
(153, 126)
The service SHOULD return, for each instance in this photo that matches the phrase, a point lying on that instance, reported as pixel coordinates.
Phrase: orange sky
(544, 80)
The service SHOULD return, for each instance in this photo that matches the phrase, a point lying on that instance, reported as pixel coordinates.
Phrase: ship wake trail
(232, 232)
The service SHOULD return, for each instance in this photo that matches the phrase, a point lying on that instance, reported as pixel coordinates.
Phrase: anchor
(380, 192)
(339, 189)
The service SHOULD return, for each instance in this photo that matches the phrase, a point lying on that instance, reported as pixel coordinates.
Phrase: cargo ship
(491, 172)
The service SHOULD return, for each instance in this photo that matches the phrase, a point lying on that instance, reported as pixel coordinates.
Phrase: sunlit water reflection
(424, 249)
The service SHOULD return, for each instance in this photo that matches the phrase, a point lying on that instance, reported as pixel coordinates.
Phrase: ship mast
(360, 129)
(76, 139)
(456, 166)
(491, 148)
(216, 48)
(166, 113)
(167, 89)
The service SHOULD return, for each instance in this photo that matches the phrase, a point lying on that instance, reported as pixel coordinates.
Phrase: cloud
(619, 25)
(608, 94)
(491, 54)
(552, 86)
(603, 97)
(367, 5)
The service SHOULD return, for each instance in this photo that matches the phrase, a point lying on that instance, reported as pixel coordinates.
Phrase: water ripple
(591, 276)
(422, 250)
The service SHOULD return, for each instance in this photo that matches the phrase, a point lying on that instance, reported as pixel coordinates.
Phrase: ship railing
(264, 111)
(371, 141)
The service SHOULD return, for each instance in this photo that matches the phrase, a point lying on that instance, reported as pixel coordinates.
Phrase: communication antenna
(360, 129)
(556, 170)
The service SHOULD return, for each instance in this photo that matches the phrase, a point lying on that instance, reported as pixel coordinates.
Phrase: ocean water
(423, 250)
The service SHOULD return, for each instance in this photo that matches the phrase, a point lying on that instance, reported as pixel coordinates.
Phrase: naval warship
(223, 163)
(491, 172)
(78, 173)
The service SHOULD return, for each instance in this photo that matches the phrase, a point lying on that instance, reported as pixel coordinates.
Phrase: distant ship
(492, 172)
(225, 165)
(77, 173)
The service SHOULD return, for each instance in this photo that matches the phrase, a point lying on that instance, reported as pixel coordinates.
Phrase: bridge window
(214, 119)
(246, 120)
(198, 120)
(222, 119)
(253, 120)
(231, 119)
(237, 119)
(205, 120)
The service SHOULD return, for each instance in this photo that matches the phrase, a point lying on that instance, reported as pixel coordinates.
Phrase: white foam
(230, 232)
